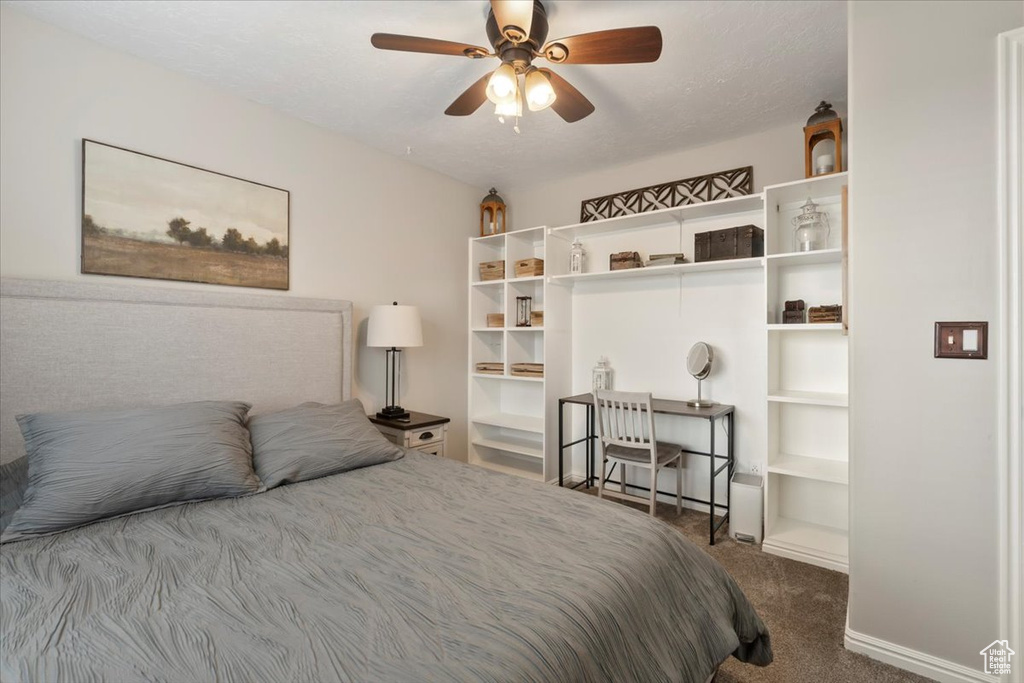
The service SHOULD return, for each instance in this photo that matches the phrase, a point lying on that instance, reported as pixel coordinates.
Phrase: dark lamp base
(393, 413)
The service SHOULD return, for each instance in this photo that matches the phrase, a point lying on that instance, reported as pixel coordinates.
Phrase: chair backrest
(625, 418)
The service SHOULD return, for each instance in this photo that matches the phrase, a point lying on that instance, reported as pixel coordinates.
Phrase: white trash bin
(746, 508)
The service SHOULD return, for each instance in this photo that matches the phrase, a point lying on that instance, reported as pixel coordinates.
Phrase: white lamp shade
(394, 326)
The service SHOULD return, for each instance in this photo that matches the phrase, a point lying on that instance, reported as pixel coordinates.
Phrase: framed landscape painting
(143, 216)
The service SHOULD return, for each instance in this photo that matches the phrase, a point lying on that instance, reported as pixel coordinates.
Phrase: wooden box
(793, 317)
(492, 270)
(744, 241)
(528, 267)
(624, 260)
(537, 319)
(825, 314)
(495, 320)
(490, 368)
(527, 369)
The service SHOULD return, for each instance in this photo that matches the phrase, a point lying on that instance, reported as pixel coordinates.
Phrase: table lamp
(393, 327)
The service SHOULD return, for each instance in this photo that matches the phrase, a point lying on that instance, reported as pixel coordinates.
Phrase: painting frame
(277, 262)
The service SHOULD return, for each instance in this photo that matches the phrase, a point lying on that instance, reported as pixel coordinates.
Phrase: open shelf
(804, 327)
(507, 444)
(523, 423)
(805, 258)
(817, 187)
(814, 398)
(816, 544)
(507, 465)
(513, 378)
(639, 221)
(487, 283)
(819, 469)
(652, 271)
(488, 329)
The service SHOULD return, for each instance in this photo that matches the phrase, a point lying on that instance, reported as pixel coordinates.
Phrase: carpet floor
(803, 606)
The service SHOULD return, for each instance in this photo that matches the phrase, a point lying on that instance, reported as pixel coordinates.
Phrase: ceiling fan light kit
(518, 31)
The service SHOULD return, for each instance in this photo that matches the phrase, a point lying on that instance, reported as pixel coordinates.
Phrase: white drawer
(426, 436)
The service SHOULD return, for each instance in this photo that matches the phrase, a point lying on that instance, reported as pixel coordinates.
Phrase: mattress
(420, 569)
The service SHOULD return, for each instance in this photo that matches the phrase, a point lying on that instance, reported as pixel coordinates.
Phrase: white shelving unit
(513, 421)
(509, 423)
(806, 495)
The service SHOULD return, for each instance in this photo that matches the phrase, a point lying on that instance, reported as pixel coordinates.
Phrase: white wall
(364, 226)
(924, 240)
(776, 155)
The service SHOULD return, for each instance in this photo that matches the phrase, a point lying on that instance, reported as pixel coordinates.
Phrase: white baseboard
(914, 661)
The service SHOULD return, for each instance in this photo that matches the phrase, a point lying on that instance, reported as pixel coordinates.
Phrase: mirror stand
(699, 402)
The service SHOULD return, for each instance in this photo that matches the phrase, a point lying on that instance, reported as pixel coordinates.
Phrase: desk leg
(731, 468)
(561, 440)
(590, 444)
(711, 523)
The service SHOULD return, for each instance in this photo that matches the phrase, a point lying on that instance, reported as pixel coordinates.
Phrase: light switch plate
(950, 340)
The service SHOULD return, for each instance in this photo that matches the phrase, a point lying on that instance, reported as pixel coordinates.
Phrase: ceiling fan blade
(513, 18)
(569, 102)
(615, 46)
(470, 100)
(391, 41)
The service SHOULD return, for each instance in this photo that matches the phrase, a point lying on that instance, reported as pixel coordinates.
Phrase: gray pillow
(13, 482)
(85, 466)
(313, 440)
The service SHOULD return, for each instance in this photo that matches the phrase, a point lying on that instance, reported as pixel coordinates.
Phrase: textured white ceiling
(728, 69)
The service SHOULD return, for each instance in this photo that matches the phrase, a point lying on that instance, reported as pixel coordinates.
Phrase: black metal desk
(667, 407)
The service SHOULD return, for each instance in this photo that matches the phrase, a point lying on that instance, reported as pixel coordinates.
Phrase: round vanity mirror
(698, 363)
(699, 359)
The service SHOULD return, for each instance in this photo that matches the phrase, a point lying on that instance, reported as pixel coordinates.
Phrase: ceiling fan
(518, 32)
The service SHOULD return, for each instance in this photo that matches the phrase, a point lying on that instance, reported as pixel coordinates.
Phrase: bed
(416, 569)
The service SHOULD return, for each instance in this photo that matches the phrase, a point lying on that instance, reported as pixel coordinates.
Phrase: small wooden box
(793, 317)
(624, 260)
(745, 241)
(495, 320)
(825, 314)
(529, 267)
(527, 370)
(537, 319)
(492, 270)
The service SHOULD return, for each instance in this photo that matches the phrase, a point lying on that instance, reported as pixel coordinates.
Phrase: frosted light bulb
(502, 85)
(539, 93)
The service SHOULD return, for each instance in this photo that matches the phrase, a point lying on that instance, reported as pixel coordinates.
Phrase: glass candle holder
(811, 228)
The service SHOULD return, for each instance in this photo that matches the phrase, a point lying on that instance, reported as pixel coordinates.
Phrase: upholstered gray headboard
(70, 345)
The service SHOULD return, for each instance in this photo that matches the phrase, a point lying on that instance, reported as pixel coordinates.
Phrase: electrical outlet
(755, 468)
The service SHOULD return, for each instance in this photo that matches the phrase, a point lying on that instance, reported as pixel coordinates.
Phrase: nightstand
(427, 433)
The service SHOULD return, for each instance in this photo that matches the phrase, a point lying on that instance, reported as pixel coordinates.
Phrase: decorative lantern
(492, 214)
(576, 257)
(602, 375)
(824, 125)
(812, 228)
(524, 308)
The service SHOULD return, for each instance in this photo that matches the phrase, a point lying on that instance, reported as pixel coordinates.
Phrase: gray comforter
(418, 570)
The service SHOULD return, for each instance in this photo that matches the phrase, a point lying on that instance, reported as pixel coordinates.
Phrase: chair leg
(622, 476)
(600, 481)
(679, 485)
(654, 489)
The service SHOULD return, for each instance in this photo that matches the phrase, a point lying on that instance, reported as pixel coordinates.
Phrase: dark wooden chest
(743, 241)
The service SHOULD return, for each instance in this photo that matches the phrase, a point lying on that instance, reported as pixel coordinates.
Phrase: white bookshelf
(807, 451)
(510, 428)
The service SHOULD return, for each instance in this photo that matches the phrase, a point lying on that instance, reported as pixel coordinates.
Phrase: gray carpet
(804, 607)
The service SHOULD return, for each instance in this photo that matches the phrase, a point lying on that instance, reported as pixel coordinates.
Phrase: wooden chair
(625, 427)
